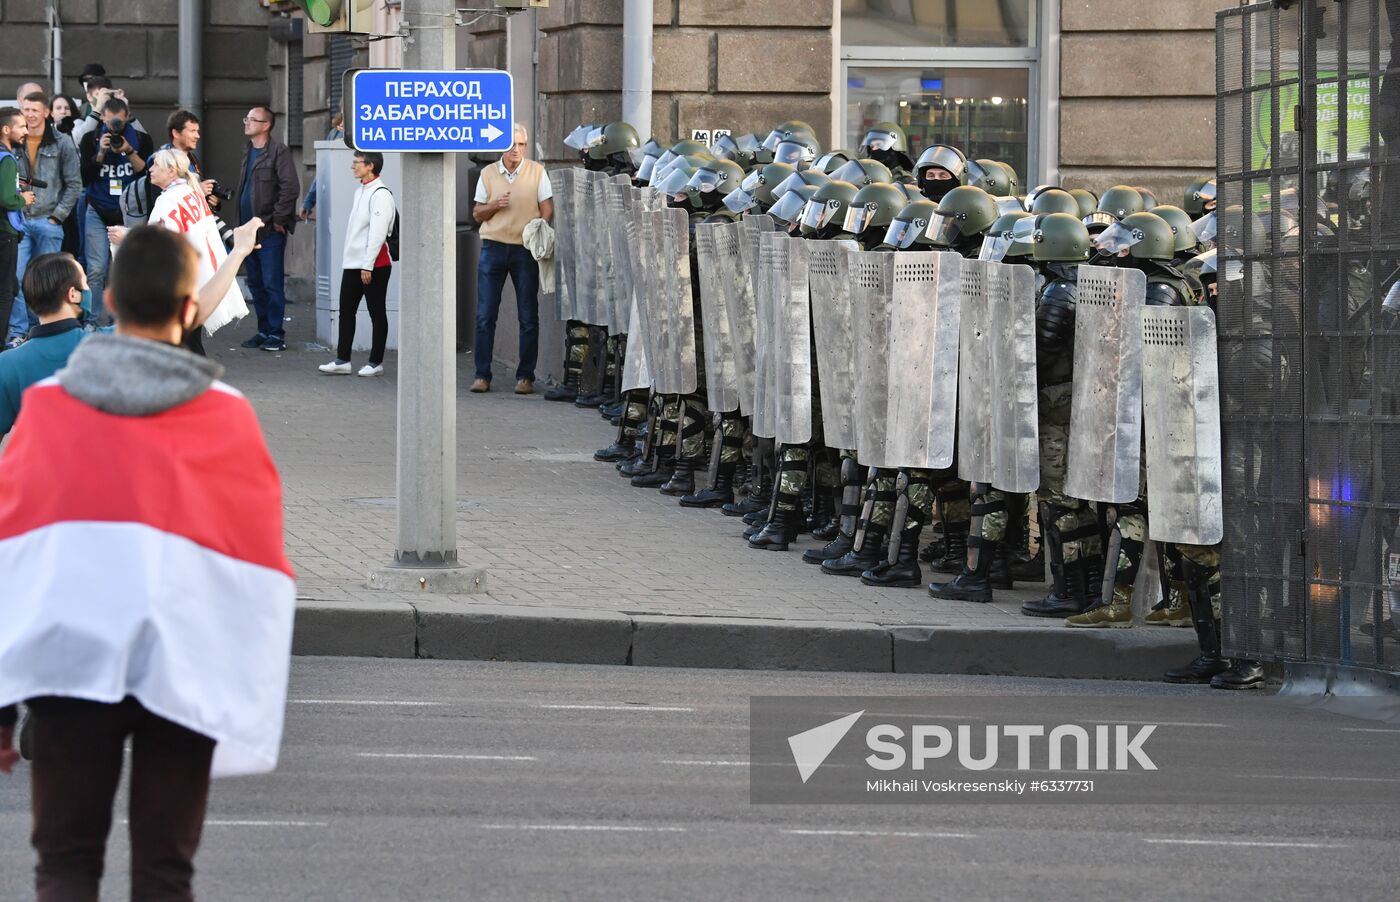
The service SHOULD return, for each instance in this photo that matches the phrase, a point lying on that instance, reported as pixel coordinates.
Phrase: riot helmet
(940, 169)
(801, 177)
(613, 144)
(1200, 198)
(645, 158)
(826, 211)
(789, 206)
(714, 180)
(909, 227)
(996, 241)
(1144, 236)
(677, 175)
(1149, 200)
(873, 209)
(1116, 203)
(1059, 238)
(1205, 229)
(833, 160)
(1088, 201)
(885, 142)
(1036, 192)
(779, 132)
(963, 213)
(1053, 200)
(663, 170)
(1204, 268)
(741, 150)
(578, 138)
(991, 176)
(863, 172)
(1023, 235)
(1186, 241)
(797, 149)
(756, 189)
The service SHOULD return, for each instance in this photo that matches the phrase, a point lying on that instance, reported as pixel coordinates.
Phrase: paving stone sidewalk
(557, 533)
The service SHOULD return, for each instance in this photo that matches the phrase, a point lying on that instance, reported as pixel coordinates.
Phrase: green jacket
(9, 193)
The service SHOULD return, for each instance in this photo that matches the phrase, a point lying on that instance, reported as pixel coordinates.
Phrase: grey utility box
(335, 191)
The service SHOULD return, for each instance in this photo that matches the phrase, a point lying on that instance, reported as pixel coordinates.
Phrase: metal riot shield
(769, 261)
(562, 180)
(792, 327)
(1105, 433)
(673, 312)
(736, 286)
(721, 386)
(635, 371)
(907, 367)
(833, 323)
(585, 296)
(650, 315)
(594, 269)
(615, 194)
(998, 426)
(1181, 420)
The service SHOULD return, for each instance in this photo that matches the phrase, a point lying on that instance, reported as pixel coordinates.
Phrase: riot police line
(882, 351)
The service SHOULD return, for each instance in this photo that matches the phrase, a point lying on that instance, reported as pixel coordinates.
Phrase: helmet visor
(1022, 237)
(645, 168)
(1206, 195)
(1009, 205)
(774, 138)
(1117, 238)
(706, 180)
(879, 140)
(740, 201)
(994, 248)
(788, 207)
(1100, 218)
(752, 181)
(724, 148)
(637, 155)
(788, 184)
(902, 233)
(747, 143)
(943, 230)
(818, 214)
(858, 218)
(792, 153)
(946, 158)
(851, 172)
(1204, 228)
(662, 166)
(578, 138)
(674, 182)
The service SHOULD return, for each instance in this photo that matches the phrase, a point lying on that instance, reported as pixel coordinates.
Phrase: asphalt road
(425, 780)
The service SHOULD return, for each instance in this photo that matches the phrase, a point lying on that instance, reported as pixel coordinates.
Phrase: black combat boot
(564, 391)
(974, 582)
(1209, 665)
(1068, 589)
(612, 411)
(903, 572)
(778, 532)
(954, 557)
(682, 481)
(1243, 674)
(933, 550)
(1000, 576)
(854, 563)
(1029, 569)
(636, 466)
(721, 492)
(822, 524)
(844, 543)
(658, 476)
(619, 450)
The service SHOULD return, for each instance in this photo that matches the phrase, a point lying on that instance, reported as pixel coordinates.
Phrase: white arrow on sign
(491, 133)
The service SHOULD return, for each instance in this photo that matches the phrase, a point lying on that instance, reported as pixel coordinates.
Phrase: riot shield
(1181, 421)
(1105, 433)
(769, 256)
(909, 315)
(562, 181)
(998, 427)
(671, 355)
(721, 386)
(833, 323)
(735, 282)
(635, 372)
(615, 193)
(792, 343)
(585, 294)
(650, 318)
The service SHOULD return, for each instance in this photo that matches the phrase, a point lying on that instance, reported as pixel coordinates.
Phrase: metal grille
(1310, 394)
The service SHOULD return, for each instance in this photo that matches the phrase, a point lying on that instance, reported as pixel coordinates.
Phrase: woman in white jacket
(367, 266)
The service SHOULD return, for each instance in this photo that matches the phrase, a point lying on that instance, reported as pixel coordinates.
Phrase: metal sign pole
(425, 556)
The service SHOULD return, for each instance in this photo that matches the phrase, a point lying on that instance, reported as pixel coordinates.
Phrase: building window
(938, 23)
(958, 72)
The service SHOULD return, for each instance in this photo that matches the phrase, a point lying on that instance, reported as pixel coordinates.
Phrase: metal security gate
(1308, 110)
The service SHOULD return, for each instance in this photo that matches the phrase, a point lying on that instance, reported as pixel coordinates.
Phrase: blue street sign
(398, 111)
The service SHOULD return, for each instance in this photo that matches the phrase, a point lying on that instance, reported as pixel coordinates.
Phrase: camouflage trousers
(634, 414)
(1072, 519)
(1127, 524)
(593, 372)
(681, 426)
(1203, 557)
(732, 432)
(575, 349)
(800, 466)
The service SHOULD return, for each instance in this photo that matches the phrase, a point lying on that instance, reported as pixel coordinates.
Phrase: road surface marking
(447, 757)
(1327, 779)
(1245, 842)
(363, 702)
(710, 763)
(613, 708)
(218, 823)
(598, 828)
(1370, 730)
(901, 833)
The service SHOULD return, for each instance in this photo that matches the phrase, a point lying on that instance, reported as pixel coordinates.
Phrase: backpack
(393, 238)
(137, 202)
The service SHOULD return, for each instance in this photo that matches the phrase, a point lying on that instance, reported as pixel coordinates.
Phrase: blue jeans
(37, 237)
(265, 283)
(497, 261)
(98, 253)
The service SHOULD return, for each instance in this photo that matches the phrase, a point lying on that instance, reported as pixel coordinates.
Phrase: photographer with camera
(49, 168)
(13, 132)
(111, 157)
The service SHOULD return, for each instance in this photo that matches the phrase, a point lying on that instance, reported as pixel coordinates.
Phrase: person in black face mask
(940, 169)
(885, 142)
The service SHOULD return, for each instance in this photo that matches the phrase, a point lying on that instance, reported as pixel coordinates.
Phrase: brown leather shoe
(480, 385)
(525, 387)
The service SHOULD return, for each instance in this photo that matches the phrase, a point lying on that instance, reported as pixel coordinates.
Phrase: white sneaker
(368, 370)
(335, 368)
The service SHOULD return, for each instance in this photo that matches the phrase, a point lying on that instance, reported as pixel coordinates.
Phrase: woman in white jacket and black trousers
(367, 266)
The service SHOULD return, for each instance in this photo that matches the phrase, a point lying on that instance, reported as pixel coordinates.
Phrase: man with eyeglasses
(267, 189)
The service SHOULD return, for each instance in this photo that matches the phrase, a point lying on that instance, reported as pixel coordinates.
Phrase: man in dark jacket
(268, 189)
(110, 157)
(52, 160)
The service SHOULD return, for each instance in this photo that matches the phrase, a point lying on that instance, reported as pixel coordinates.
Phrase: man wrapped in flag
(146, 592)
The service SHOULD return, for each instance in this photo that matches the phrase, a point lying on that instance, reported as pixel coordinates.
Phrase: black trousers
(9, 267)
(374, 294)
(78, 756)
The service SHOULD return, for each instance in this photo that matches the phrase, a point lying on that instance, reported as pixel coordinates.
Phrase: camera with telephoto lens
(221, 192)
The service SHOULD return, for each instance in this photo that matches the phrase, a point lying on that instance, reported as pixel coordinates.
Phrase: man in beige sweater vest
(509, 195)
